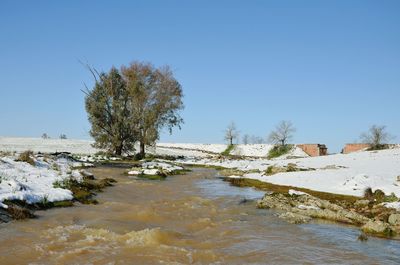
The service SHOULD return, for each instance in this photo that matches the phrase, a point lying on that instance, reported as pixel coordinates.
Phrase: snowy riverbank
(348, 174)
(36, 182)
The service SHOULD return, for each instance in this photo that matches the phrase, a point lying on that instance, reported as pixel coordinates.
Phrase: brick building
(314, 149)
(350, 148)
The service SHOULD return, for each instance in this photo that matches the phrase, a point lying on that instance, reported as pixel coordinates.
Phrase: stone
(274, 201)
(86, 174)
(377, 228)
(361, 203)
(394, 219)
(295, 218)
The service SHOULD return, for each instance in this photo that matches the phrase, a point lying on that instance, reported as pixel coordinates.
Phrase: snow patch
(296, 192)
(33, 184)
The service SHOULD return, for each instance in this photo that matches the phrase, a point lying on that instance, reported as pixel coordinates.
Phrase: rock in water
(377, 228)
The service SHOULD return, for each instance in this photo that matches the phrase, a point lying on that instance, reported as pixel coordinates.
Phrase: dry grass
(27, 157)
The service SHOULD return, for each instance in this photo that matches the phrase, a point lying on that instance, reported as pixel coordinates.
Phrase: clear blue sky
(331, 67)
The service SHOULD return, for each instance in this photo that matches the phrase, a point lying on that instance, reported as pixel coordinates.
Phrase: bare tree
(257, 140)
(246, 139)
(282, 134)
(231, 133)
(377, 136)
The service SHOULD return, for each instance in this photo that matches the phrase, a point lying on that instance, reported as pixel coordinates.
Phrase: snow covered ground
(210, 148)
(35, 183)
(9, 144)
(15, 144)
(202, 150)
(347, 174)
(340, 173)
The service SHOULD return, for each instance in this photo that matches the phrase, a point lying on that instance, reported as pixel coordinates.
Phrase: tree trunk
(118, 150)
(142, 150)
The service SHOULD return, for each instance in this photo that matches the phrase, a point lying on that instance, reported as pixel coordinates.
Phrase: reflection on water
(191, 219)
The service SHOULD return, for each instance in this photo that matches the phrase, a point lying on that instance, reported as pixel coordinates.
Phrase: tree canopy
(156, 99)
(132, 106)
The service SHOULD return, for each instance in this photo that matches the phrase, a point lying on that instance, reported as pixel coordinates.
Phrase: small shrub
(228, 150)
(379, 195)
(378, 147)
(368, 194)
(26, 157)
(279, 150)
(291, 168)
(55, 166)
(271, 170)
(391, 198)
(63, 184)
(45, 200)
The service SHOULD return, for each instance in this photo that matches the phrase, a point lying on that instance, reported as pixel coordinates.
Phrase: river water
(191, 219)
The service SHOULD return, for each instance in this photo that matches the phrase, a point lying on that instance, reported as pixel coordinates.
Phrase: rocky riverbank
(299, 207)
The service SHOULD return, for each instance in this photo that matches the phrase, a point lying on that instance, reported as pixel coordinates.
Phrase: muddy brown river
(191, 219)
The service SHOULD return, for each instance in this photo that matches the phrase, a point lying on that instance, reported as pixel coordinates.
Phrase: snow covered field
(343, 174)
(208, 148)
(202, 150)
(15, 144)
(8, 144)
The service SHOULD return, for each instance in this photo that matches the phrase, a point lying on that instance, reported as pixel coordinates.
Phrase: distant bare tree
(45, 136)
(282, 134)
(257, 140)
(377, 136)
(246, 139)
(63, 136)
(231, 133)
